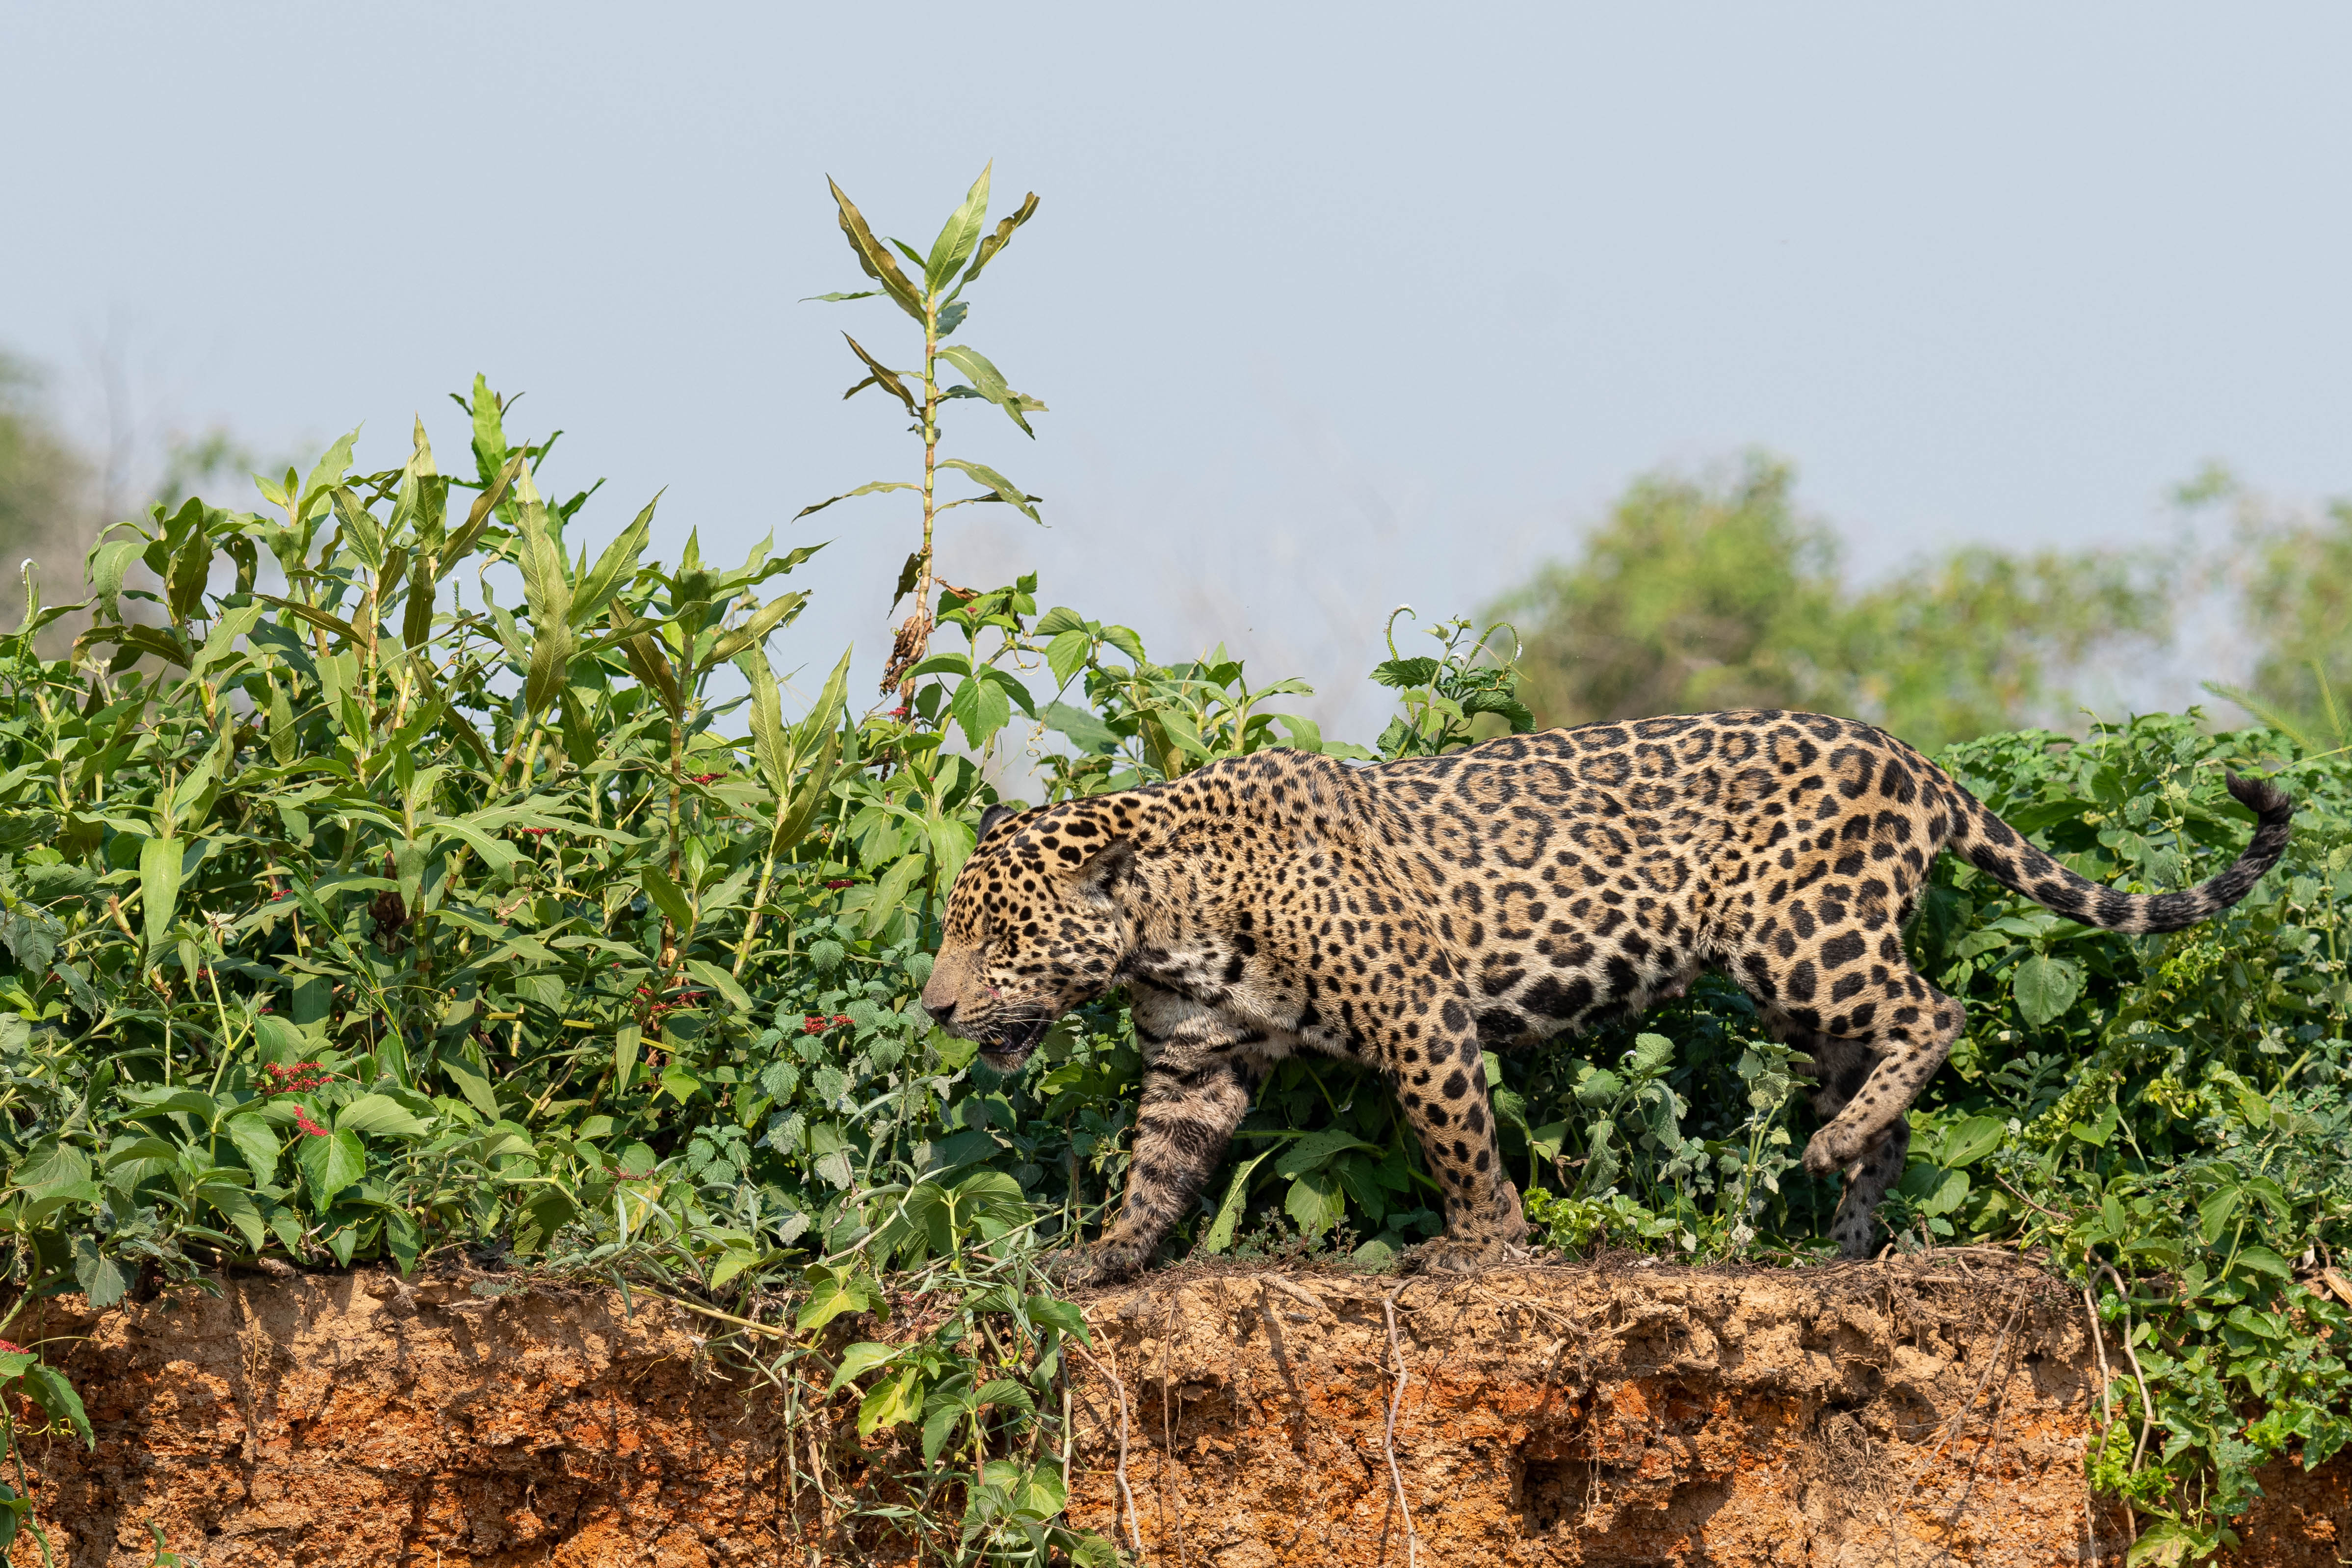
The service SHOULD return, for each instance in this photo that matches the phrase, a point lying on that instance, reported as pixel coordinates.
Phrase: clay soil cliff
(1897, 1413)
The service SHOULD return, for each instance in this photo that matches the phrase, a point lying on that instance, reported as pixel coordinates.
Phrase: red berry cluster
(293, 1078)
(650, 1007)
(899, 711)
(817, 1023)
(704, 778)
(536, 832)
(310, 1128)
(840, 882)
(12, 1347)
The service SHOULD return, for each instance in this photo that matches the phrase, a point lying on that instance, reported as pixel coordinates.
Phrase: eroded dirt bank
(1860, 1416)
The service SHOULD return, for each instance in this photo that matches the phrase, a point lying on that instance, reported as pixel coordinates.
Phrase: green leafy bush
(357, 908)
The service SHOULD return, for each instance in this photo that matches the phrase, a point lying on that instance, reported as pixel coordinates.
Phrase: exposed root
(1388, 1436)
(1126, 1495)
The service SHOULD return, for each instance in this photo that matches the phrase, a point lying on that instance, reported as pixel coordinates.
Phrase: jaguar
(1410, 915)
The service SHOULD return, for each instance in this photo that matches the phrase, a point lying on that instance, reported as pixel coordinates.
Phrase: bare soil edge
(1896, 1412)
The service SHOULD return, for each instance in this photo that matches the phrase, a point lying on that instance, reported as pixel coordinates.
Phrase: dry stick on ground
(1134, 1535)
(1168, 1429)
(2107, 1421)
(1388, 1436)
(2146, 1405)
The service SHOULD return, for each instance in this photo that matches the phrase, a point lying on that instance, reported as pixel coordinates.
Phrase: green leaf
(1972, 1140)
(158, 887)
(382, 1116)
(955, 245)
(988, 381)
(1002, 236)
(832, 1292)
(1002, 489)
(776, 612)
(53, 1393)
(1316, 1201)
(667, 896)
(1086, 731)
(858, 1360)
(473, 1086)
(1316, 1149)
(1220, 1234)
(895, 1400)
(2045, 987)
(330, 1163)
(873, 259)
(872, 488)
(256, 1144)
(718, 980)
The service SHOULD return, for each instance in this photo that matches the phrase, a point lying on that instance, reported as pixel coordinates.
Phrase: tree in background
(1700, 594)
(44, 481)
(2294, 569)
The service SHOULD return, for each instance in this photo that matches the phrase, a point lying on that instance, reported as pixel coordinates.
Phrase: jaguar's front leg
(1198, 1072)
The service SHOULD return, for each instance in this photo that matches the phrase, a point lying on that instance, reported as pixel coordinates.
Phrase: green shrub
(353, 913)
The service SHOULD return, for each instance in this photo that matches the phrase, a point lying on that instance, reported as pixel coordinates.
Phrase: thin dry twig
(1127, 1496)
(1388, 1436)
(2106, 1420)
(2146, 1405)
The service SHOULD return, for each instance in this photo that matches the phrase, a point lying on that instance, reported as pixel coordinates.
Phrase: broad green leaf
(256, 1144)
(961, 232)
(832, 1292)
(860, 1359)
(1972, 1140)
(1086, 731)
(1316, 1149)
(237, 1205)
(53, 1393)
(2046, 988)
(895, 1400)
(473, 1086)
(158, 887)
(330, 1163)
(718, 980)
(667, 897)
(381, 1115)
(1316, 1201)
(626, 1040)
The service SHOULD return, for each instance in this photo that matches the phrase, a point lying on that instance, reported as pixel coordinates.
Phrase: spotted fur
(1407, 915)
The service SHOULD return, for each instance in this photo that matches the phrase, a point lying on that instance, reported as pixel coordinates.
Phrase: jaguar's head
(1034, 928)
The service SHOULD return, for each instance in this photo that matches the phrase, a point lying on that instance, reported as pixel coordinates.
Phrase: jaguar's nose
(940, 1012)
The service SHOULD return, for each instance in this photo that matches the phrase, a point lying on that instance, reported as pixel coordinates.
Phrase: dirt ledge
(1853, 1416)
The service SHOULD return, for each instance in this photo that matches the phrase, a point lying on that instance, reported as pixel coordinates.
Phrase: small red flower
(704, 778)
(813, 1024)
(842, 1020)
(841, 882)
(536, 832)
(281, 895)
(310, 1128)
(899, 711)
(12, 1347)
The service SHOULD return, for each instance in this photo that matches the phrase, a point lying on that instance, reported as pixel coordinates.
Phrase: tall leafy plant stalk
(933, 298)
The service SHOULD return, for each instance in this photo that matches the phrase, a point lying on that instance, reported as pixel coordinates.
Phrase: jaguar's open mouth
(1013, 1048)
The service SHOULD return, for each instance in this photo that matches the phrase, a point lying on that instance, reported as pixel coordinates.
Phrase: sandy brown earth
(1862, 1414)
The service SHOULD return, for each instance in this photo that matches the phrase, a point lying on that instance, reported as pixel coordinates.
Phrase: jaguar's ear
(992, 815)
(1099, 876)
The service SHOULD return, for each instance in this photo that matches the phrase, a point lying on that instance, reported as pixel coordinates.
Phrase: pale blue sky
(1333, 306)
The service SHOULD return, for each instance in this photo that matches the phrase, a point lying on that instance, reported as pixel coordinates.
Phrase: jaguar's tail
(2001, 852)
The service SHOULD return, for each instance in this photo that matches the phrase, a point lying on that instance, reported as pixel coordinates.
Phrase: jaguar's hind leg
(1840, 1070)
